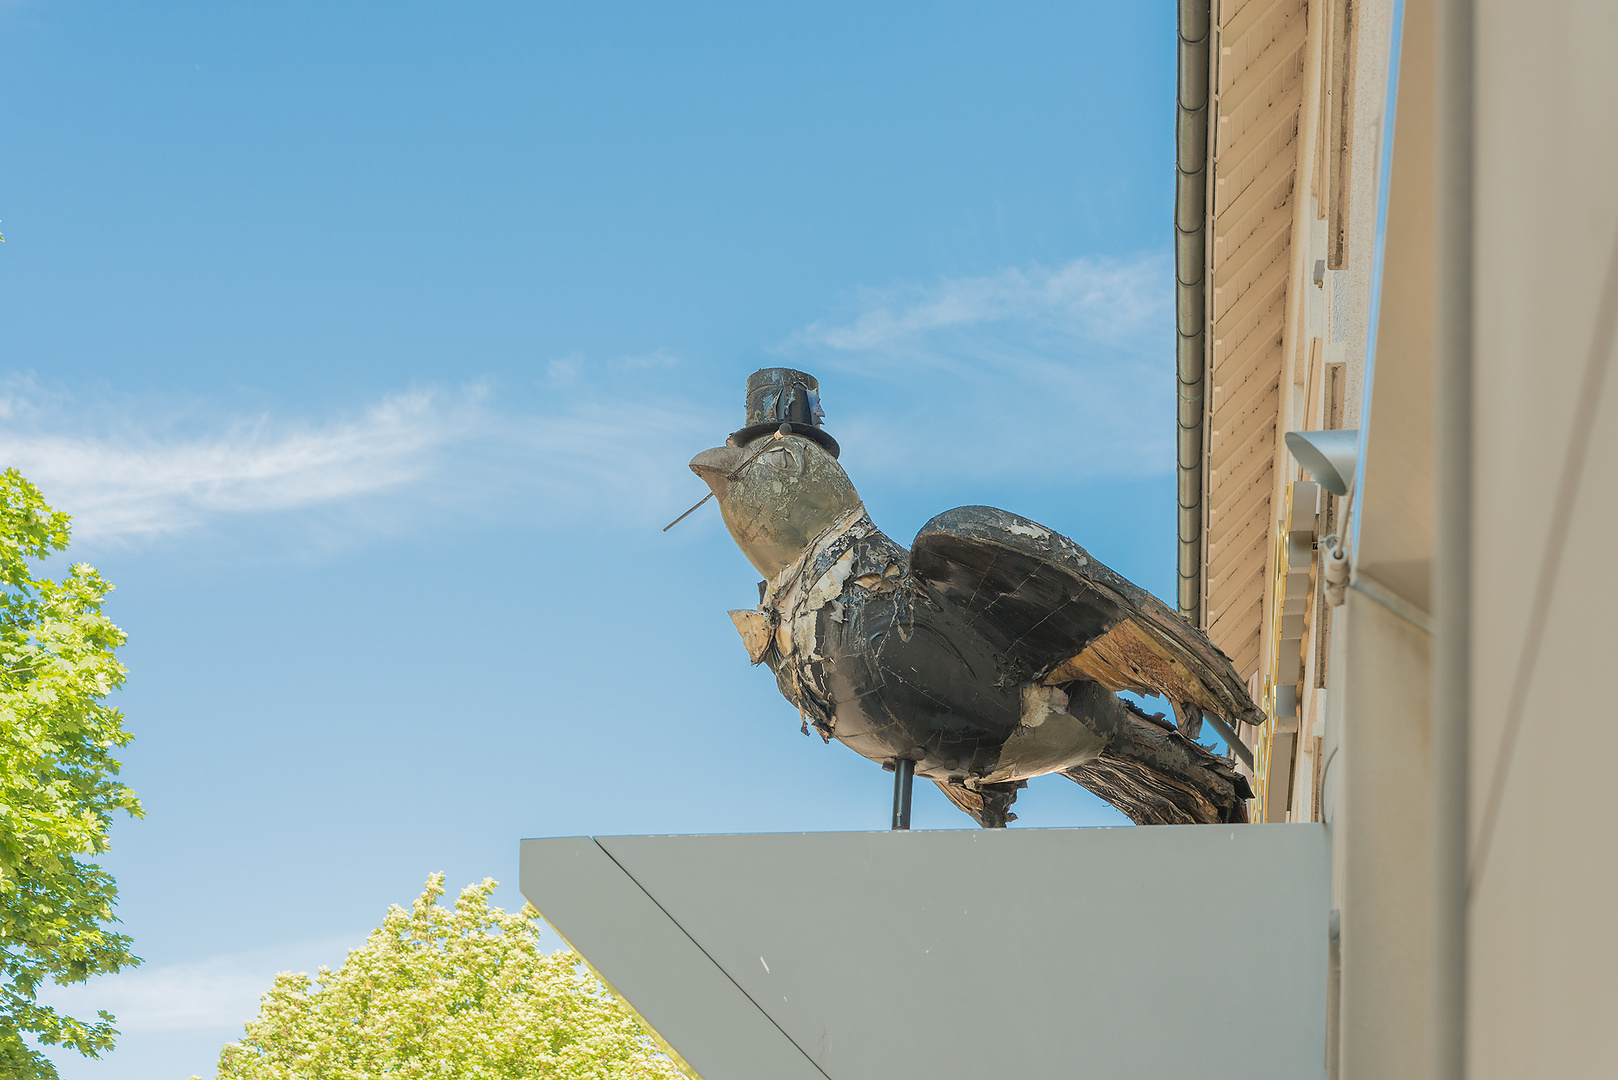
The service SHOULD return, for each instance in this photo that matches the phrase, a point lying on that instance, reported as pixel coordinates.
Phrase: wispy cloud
(1040, 373)
(1032, 374)
(626, 457)
(575, 448)
(1094, 299)
(219, 992)
(144, 481)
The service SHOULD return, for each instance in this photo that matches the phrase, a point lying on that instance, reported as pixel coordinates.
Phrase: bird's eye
(779, 458)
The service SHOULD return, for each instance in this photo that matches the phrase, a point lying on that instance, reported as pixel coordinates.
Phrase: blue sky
(368, 343)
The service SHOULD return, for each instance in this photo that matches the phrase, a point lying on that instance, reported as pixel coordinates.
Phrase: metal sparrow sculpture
(987, 654)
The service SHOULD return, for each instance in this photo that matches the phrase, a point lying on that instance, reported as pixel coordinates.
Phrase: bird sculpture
(989, 653)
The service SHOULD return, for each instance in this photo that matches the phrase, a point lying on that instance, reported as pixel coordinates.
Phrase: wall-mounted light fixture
(1329, 457)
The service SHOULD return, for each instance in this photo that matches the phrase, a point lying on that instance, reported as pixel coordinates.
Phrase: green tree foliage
(58, 785)
(439, 993)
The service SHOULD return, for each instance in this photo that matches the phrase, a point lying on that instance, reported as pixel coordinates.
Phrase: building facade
(1276, 241)
(1407, 229)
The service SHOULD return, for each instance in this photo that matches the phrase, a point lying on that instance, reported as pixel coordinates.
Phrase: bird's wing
(1058, 615)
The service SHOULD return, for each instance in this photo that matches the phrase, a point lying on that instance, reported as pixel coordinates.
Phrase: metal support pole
(904, 774)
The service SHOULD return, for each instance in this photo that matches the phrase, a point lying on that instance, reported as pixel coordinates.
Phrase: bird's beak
(715, 467)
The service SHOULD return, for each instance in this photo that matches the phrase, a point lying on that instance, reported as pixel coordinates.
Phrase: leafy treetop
(58, 785)
(441, 993)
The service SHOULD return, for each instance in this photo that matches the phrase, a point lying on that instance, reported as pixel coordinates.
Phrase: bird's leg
(904, 775)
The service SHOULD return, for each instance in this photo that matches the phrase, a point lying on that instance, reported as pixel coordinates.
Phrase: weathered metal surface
(987, 654)
(989, 805)
(782, 395)
(1129, 657)
(756, 633)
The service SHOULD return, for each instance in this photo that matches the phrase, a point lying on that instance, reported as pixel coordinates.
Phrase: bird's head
(776, 495)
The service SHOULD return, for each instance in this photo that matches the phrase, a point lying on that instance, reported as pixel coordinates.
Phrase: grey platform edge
(1034, 953)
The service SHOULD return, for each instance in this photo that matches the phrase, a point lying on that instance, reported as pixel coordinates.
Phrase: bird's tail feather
(1156, 776)
(989, 804)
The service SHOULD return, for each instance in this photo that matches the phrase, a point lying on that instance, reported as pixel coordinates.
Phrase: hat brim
(808, 431)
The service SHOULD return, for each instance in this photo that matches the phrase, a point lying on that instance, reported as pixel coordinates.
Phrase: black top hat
(780, 395)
